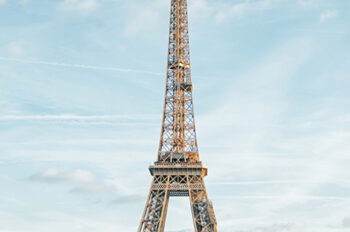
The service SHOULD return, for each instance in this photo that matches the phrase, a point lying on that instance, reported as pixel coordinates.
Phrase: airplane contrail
(257, 182)
(272, 182)
(80, 66)
(321, 198)
(78, 117)
(104, 68)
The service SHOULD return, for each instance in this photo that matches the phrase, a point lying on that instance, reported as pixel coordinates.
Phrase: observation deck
(167, 168)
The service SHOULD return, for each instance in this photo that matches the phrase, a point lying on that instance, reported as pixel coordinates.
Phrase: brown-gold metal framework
(178, 170)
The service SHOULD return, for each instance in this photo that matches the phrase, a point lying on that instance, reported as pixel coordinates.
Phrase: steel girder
(178, 142)
(181, 184)
(178, 170)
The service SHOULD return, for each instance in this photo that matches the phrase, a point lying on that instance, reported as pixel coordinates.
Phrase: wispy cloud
(22, 2)
(289, 227)
(52, 175)
(113, 120)
(305, 2)
(8, 199)
(325, 16)
(2, 2)
(346, 222)
(71, 142)
(102, 68)
(86, 183)
(242, 9)
(200, 10)
(15, 49)
(82, 6)
(80, 66)
(77, 117)
(64, 220)
(183, 230)
(113, 191)
(261, 125)
(279, 182)
(92, 188)
(128, 199)
(146, 16)
(285, 197)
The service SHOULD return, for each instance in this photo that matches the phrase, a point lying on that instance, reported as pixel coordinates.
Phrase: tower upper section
(178, 142)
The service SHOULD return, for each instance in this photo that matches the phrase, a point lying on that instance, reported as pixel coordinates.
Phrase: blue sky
(81, 96)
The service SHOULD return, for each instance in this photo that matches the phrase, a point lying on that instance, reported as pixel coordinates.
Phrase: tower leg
(177, 184)
(202, 210)
(154, 215)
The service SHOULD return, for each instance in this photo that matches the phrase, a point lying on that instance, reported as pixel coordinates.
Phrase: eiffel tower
(178, 172)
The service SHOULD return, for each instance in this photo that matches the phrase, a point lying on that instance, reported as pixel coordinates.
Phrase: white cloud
(80, 176)
(280, 182)
(250, 117)
(267, 81)
(245, 110)
(290, 197)
(110, 191)
(62, 221)
(82, 66)
(306, 2)
(86, 183)
(72, 142)
(325, 16)
(122, 120)
(148, 16)
(242, 9)
(76, 117)
(2, 2)
(291, 227)
(128, 199)
(199, 10)
(115, 186)
(15, 49)
(53, 175)
(22, 2)
(145, 16)
(346, 222)
(83, 6)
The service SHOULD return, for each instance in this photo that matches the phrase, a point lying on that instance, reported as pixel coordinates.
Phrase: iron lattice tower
(178, 170)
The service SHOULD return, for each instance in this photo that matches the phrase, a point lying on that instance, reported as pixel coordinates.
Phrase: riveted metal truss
(178, 181)
(178, 171)
(178, 142)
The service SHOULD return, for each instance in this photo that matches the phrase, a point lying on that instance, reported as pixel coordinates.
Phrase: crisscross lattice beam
(178, 170)
(178, 141)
